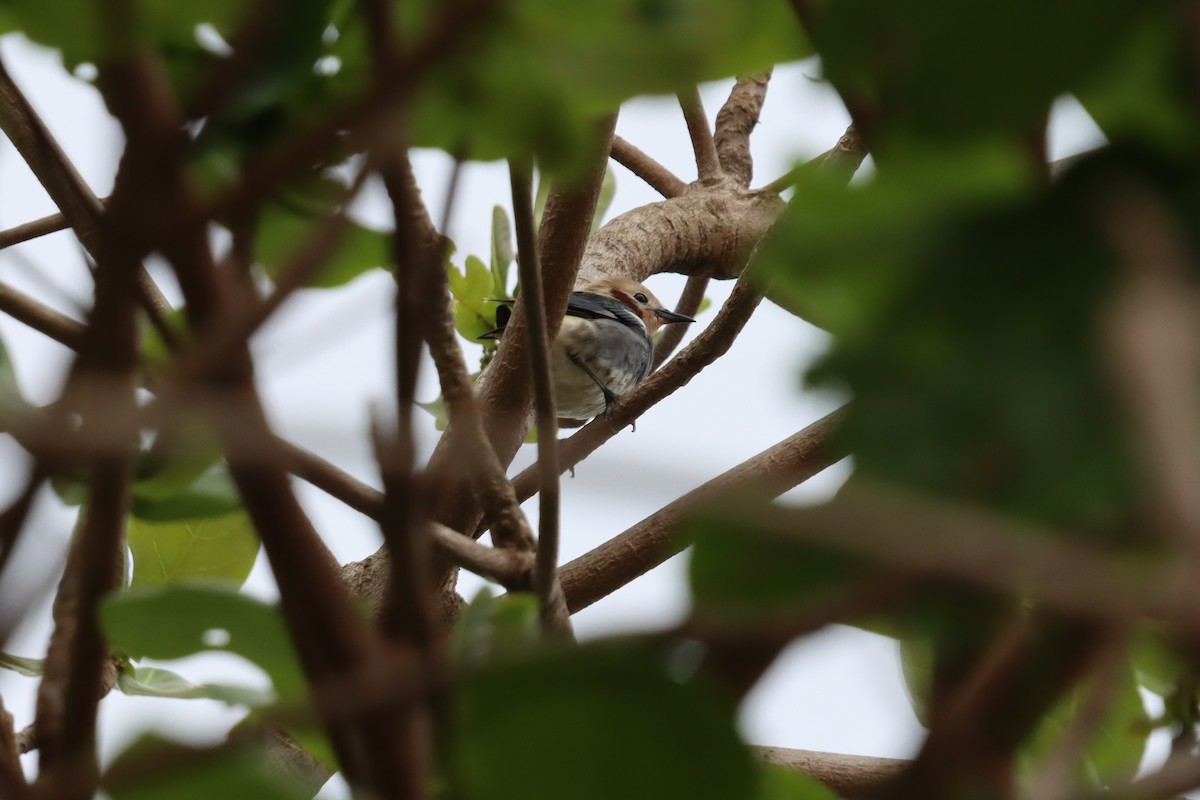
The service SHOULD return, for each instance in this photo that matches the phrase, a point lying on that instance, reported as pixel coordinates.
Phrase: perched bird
(603, 348)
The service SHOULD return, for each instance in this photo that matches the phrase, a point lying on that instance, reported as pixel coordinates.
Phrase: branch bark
(736, 121)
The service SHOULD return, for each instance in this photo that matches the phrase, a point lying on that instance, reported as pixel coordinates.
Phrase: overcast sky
(839, 690)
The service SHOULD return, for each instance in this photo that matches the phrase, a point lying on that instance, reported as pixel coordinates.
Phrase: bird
(604, 347)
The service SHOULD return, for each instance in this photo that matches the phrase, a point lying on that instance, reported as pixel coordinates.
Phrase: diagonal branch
(650, 542)
(661, 179)
(689, 303)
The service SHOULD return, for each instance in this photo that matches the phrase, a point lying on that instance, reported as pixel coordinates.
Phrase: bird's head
(639, 299)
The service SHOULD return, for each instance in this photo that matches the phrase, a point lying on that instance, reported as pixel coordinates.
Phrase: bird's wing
(590, 305)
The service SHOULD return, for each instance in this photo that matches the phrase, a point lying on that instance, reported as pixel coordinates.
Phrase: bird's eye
(641, 298)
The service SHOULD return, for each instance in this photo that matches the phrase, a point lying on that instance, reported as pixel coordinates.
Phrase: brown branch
(847, 775)
(32, 230)
(844, 158)
(714, 342)
(736, 121)
(969, 544)
(661, 179)
(708, 166)
(41, 318)
(556, 621)
(650, 542)
(12, 778)
(689, 304)
(62, 181)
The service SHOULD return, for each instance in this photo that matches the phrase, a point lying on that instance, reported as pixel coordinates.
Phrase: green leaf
(157, 682)
(168, 622)
(156, 769)
(779, 783)
(166, 498)
(286, 227)
(82, 33)
(29, 667)
(474, 302)
(535, 80)
(1117, 742)
(490, 628)
(738, 573)
(218, 547)
(930, 65)
(560, 724)
(502, 252)
(839, 254)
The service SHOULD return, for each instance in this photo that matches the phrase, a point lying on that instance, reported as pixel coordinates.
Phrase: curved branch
(736, 121)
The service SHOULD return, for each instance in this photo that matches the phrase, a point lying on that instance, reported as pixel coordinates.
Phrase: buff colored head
(638, 298)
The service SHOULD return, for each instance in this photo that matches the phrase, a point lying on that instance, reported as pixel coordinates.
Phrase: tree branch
(736, 121)
(661, 179)
(650, 542)
(847, 775)
(556, 621)
(32, 230)
(708, 166)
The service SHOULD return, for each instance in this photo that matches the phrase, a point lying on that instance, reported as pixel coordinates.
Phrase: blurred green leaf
(779, 783)
(1117, 742)
(502, 252)
(1158, 666)
(157, 769)
(29, 667)
(177, 620)
(533, 78)
(931, 66)
(1141, 95)
(157, 682)
(82, 33)
(491, 627)
(288, 225)
(608, 190)
(840, 254)
(737, 572)
(166, 498)
(216, 547)
(594, 723)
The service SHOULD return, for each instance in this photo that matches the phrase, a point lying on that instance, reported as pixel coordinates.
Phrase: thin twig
(689, 303)
(33, 230)
(661, 179)
(41, 318)
(647, 544)
(556, 620)
(844, 159)
(708, 166)
(736, 121)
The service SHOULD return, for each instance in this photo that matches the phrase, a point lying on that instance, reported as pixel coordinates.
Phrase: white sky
(839, 690)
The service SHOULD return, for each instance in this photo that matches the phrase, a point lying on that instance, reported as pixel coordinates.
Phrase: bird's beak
(671, 316)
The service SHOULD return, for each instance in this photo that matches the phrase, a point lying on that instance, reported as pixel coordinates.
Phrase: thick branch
(650, 542)
(736, 121)
(847, 775)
